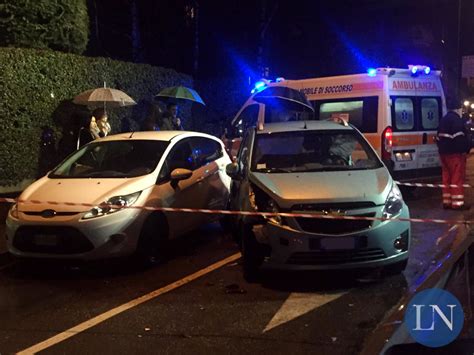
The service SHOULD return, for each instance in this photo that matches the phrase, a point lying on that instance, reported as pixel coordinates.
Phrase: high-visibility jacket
(452, 135)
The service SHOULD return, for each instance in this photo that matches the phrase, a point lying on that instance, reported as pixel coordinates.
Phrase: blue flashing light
(427, 70)
(279, 79)
(414, 69)
(371, 72)
(259, 86)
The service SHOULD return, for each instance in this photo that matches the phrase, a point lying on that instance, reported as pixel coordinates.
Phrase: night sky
(303, 38)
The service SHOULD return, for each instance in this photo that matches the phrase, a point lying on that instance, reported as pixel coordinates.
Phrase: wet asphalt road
(217, 313)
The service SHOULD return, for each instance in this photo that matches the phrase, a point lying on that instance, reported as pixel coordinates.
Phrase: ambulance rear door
(416, 108)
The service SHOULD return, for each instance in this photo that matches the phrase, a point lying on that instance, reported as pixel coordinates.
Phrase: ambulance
(397, 110)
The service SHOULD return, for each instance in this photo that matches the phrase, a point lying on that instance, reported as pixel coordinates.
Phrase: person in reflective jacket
(453, 146)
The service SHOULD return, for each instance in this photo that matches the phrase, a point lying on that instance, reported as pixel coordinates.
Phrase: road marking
(126, 306)
(298, 304)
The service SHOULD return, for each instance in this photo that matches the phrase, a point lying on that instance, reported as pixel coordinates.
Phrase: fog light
(401, 242)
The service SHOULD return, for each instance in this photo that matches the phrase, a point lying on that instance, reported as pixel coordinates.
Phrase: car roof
(303, 126)
(155, 135)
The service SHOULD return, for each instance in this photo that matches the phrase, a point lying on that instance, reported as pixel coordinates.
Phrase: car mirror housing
(180, 174)
(233, 171)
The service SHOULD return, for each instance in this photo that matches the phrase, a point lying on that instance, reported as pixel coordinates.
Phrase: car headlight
(394, 203)
(112, 205)
(14, 211)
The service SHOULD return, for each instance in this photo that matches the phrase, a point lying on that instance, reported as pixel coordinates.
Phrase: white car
(114, 177)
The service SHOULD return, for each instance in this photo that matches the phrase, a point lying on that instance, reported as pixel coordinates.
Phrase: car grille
(333, 206)
(39, 213)
(334, 226)
(68, 240)
(335, 257)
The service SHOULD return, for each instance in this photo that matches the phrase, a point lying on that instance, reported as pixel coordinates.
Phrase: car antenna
(305, 127)
(131, 134)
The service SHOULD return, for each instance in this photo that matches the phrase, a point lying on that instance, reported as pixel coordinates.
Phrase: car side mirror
(233, 171)
(180, 174)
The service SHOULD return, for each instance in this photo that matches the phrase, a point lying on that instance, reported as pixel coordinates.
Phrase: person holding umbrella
(170, 120)
(172, 95)
(102, 123)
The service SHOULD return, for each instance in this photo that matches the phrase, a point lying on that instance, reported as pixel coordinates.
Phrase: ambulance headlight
(414, 69)
(394, 203)
(427, 70)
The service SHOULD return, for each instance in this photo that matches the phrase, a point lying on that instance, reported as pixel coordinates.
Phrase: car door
(188, 193)
(208, 152)
(239, 188)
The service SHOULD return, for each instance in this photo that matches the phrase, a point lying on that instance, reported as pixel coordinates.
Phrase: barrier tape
(245, 213)
(417, 184)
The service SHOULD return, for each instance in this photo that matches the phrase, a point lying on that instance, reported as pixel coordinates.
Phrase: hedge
(56, 24)
(36, 89)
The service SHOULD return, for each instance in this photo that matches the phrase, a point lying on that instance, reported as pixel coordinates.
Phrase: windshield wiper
(274, 170)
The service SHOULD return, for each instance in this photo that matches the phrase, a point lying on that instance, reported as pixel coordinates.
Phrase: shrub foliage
(36, 89)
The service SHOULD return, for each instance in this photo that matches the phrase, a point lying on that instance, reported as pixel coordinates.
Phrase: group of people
(97, 125)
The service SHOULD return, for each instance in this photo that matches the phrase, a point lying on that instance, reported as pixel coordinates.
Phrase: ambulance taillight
(387, 143)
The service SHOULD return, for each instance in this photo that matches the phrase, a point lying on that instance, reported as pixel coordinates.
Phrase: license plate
(46, 239)
(344, 243)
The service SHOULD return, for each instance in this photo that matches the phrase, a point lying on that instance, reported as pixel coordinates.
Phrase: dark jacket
(452, 135)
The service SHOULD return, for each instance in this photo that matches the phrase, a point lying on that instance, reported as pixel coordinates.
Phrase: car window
(307, 151)
(181, 156)
(112, 159)
(244, 151)
(205, 150)
(247, 118)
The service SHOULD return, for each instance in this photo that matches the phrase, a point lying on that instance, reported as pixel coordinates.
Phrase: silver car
(322, 168)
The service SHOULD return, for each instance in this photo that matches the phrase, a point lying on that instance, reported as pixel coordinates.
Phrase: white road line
(298, 304)
(126, 306)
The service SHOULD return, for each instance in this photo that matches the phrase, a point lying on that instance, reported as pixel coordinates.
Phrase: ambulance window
(350, 109)
(359, 111)
(404, 114)
(430, 113)
(280, 113)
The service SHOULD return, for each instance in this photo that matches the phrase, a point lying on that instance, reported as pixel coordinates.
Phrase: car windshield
(308, 151)
(112, 159)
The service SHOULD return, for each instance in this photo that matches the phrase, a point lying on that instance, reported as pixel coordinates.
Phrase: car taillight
(387, 143)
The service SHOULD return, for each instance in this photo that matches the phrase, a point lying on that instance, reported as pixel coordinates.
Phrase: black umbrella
(285, 97)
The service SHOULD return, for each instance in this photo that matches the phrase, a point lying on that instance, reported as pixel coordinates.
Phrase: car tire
(252, 254)
(153, 243)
